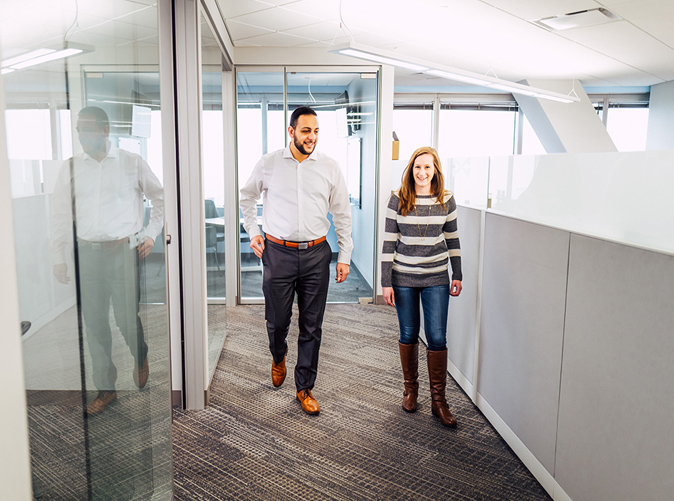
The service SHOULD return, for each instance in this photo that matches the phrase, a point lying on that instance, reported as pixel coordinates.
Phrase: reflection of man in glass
(107, 207)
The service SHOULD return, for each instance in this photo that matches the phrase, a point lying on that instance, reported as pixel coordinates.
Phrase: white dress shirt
(297, 198)
(109, 200)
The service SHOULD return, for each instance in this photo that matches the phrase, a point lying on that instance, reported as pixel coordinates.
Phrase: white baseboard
(40, 322)
(526, 456)
(458, 376)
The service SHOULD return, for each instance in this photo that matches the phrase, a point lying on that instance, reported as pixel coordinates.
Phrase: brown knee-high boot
(409, 359)
(437, 374)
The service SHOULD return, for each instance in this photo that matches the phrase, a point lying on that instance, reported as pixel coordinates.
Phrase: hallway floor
(253, 442)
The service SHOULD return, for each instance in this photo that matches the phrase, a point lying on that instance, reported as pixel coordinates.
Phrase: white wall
(385, 157)
(661, 117)
(14, 453)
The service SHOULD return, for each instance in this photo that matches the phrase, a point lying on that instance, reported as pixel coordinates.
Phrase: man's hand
(257, 244)
(389, 296)
(61, 273)
(342, 272)
(455, 288)
(145, 247)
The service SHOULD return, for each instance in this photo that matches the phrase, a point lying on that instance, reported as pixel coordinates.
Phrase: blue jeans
(435, 301)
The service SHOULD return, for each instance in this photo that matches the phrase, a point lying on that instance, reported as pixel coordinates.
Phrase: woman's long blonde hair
(407, 192)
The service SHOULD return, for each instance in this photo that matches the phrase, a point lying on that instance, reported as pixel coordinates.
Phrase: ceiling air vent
(579, 19)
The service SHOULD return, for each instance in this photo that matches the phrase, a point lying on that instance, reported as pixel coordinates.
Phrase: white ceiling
(476, 35)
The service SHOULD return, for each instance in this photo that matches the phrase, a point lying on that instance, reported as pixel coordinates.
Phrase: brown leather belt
(295, 245)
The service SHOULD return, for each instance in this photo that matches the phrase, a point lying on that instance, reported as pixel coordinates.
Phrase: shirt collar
(113, 152)
(289, 154)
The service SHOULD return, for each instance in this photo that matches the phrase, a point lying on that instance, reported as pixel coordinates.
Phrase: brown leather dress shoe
(103, 399)
(278, 372)
(309, 404)
(140, 374)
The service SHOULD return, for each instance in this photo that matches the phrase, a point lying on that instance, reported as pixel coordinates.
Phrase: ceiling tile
(535, 9)
(326, 9)
(108, 9)
(278, 2)
(244, 43)
(626, 43)
(320, 44)
(318, 31)
(645, 8)
(278, 19)
(230, 8)
(278, 40)
(144, 17)
(238, 31)
(659, 28)
(119, 29)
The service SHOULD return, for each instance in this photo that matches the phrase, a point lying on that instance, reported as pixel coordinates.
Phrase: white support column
(435, 138)
(190, 199)
(231, 182)
(385, 163)
(14, 453)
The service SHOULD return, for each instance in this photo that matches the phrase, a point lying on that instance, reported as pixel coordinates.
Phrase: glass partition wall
(213, 175)
(346, 103)
(84, 138)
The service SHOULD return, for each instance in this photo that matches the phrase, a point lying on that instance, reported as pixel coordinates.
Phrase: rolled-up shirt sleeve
(154, 192)
(340, 208)
(250, 193)
(61, 215)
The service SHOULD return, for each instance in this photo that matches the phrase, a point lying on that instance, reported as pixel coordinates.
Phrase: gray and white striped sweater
(419, 246)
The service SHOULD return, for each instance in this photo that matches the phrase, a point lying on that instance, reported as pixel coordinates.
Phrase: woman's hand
(389, 298)
(455, 288)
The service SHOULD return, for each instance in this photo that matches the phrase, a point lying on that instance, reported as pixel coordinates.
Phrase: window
(476, 130)
(625, 117)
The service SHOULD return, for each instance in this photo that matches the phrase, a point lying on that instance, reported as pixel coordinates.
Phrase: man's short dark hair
(302, 110)
(97, 113)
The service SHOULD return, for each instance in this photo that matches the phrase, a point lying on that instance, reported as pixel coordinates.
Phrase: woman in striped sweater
(420, 241)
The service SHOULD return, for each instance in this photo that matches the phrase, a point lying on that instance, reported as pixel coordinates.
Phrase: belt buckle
(303, 245)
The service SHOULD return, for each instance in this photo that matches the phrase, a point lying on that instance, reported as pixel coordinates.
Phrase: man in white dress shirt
(299, 187)
(106, 215)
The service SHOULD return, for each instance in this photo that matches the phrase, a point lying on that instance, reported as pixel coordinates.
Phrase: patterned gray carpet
(254, 442)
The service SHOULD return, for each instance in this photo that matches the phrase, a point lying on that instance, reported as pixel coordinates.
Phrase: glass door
(260, 130)
(346, 102)
(213, 175)
(84, 141)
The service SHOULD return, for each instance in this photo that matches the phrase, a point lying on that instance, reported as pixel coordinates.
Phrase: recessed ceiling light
(579, 19)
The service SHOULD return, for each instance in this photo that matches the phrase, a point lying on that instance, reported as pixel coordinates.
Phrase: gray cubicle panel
(522, 322)
(463, 309)
(615, 437)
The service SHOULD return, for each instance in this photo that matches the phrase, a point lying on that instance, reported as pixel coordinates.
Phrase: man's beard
(300, 147)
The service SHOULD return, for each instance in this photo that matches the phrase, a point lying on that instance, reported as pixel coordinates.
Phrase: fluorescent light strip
(4, 71)
(381, 56)
(514, 89)
(458, 77)
(382, 59)
(25, 57)
(49, 57)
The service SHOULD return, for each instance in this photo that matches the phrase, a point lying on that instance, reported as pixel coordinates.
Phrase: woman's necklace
(427, 223)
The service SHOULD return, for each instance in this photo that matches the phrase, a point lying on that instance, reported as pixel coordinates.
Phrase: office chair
(212, 242)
